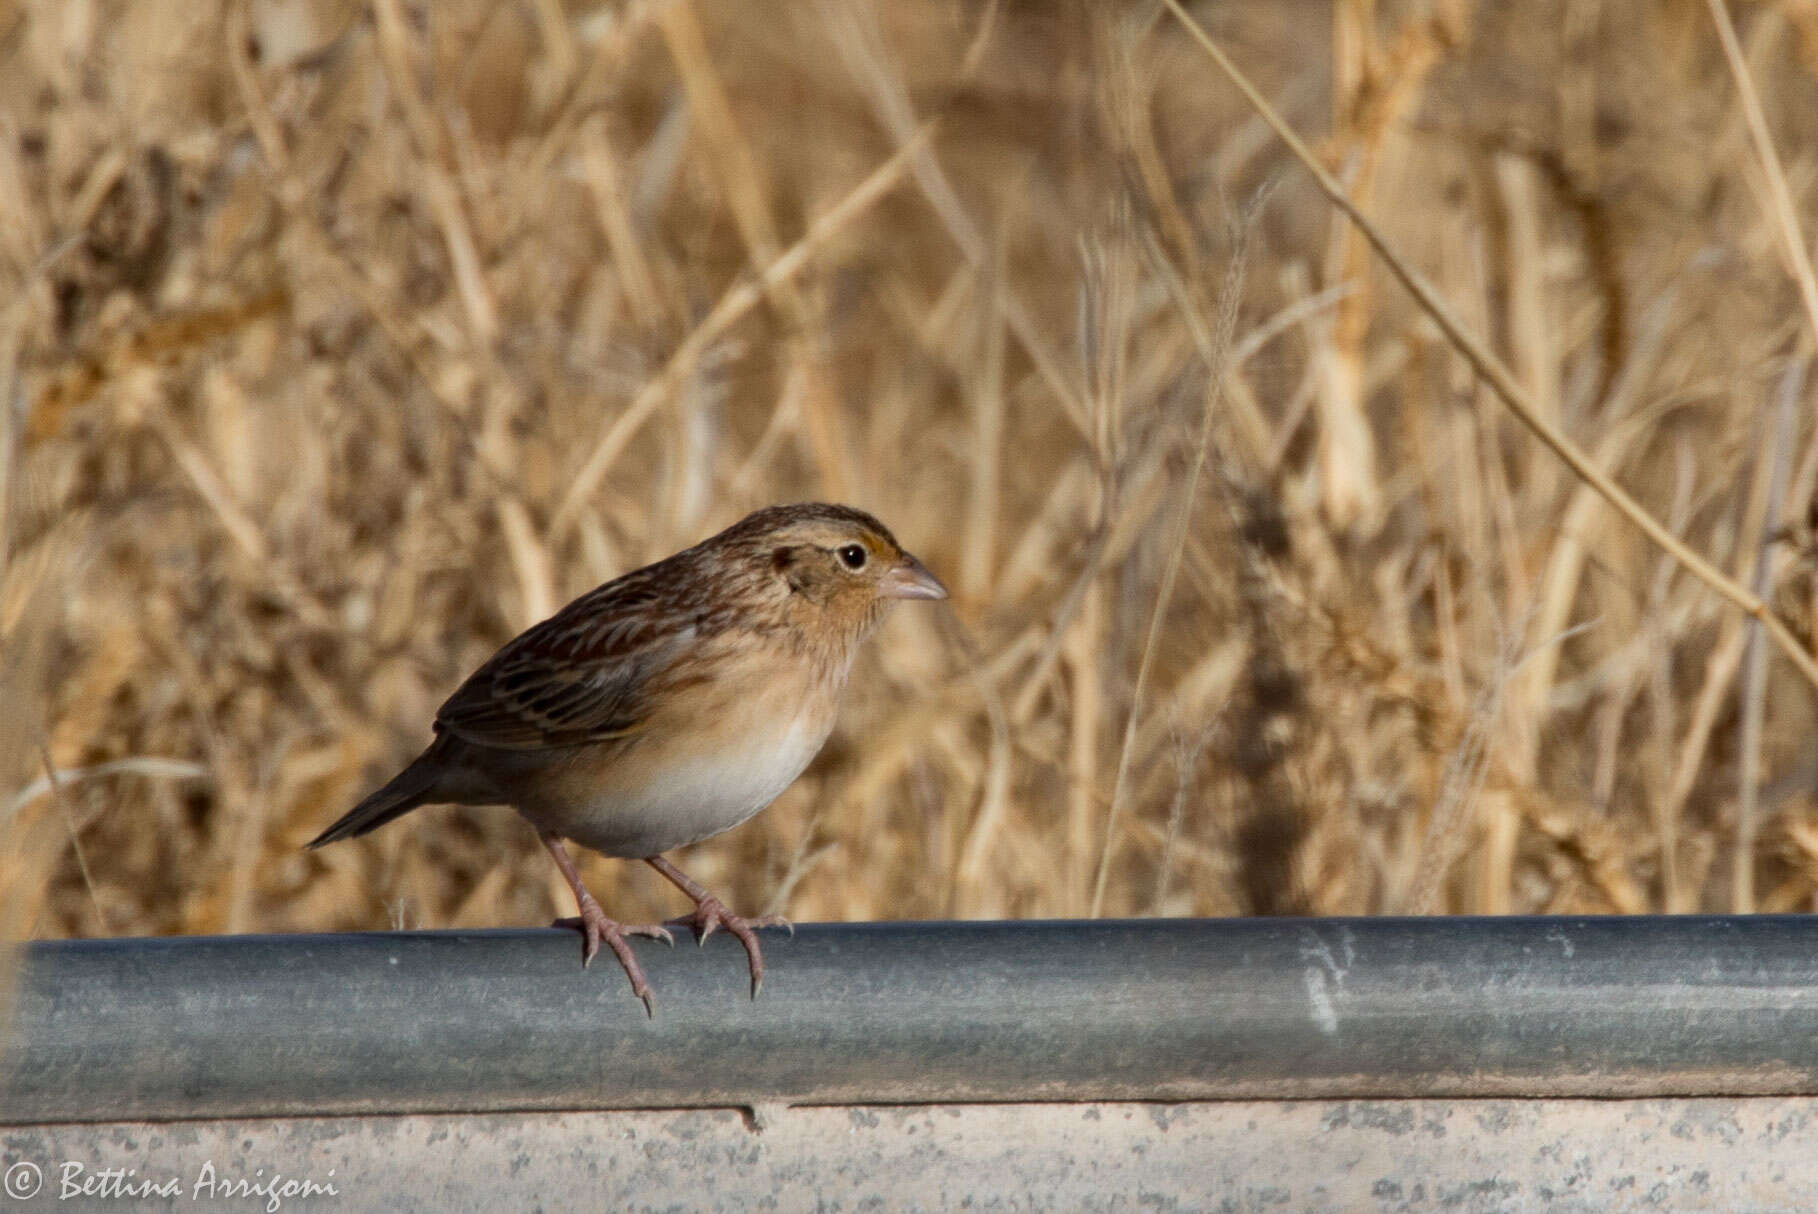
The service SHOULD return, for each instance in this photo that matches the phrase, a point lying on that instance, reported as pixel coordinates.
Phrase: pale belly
(643, 805)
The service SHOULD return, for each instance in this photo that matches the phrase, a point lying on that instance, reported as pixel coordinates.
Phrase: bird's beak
(910, 579)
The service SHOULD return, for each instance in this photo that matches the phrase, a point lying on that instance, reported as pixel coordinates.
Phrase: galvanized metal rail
(912, 1012)
(1301, 1064)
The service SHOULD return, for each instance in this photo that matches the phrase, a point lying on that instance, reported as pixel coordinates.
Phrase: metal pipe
(255, 1026)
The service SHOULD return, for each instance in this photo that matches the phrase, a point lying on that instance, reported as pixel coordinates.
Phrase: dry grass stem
(1776, 435)
(1786, 214)
(732, 305)
(1229, 295)
(1499, 377)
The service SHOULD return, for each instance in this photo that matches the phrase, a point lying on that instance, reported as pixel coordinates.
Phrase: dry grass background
(340, 342)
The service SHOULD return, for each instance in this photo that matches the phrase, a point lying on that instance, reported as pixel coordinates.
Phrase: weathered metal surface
(1406, 1156)
(918, 1012)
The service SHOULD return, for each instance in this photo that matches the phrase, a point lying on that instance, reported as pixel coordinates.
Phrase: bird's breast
(680, 781)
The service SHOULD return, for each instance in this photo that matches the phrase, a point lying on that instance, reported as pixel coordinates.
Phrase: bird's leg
(595, 927)
(710, 913)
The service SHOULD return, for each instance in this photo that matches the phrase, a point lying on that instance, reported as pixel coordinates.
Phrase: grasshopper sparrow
(666, 706)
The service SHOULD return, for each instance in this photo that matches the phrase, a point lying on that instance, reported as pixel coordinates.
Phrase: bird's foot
(711, 914)
(596, 928)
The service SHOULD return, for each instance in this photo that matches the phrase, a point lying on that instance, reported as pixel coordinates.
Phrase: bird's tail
(402, 793)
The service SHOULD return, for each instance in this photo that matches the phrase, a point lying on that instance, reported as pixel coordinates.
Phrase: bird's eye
(853, 555)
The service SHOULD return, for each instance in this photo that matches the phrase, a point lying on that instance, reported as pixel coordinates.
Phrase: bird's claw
(710, 914)
(596, 929)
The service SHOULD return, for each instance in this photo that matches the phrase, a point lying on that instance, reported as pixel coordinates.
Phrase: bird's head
(828, 567)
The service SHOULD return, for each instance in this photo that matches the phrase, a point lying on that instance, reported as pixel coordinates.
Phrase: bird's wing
(583, 675)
